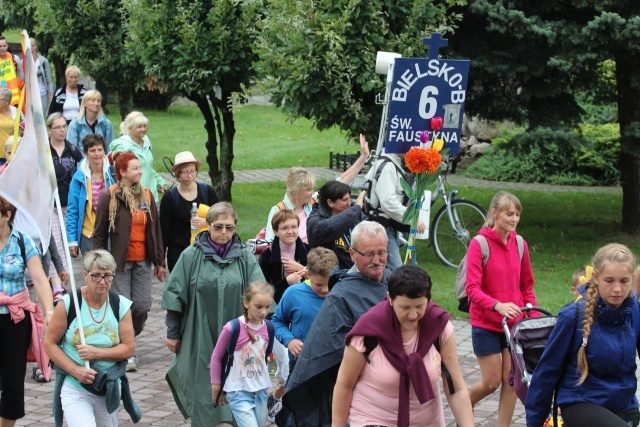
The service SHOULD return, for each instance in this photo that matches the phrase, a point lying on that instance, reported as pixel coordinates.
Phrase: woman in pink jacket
(498, 289)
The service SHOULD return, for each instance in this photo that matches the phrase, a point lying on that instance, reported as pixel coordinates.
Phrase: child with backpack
(241, 378)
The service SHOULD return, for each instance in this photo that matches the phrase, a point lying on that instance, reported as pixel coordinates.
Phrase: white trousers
(84, 409)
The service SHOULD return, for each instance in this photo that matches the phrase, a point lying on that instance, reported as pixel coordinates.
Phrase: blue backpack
(227, 359)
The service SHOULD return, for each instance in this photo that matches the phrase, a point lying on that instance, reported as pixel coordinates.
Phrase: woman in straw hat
(178, 227)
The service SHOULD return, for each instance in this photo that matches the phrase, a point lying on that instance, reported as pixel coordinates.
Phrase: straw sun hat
(184, 157)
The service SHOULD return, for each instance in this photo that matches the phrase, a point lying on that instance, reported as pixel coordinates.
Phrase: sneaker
(273, 406)
(132, 364)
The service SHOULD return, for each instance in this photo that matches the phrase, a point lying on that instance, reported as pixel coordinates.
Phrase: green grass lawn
(264, 138)
(563, 230)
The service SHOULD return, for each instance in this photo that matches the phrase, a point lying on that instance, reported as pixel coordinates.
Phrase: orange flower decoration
(421, 160)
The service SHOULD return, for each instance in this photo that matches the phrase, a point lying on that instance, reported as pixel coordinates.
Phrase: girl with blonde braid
(245, 389)
(591, 354)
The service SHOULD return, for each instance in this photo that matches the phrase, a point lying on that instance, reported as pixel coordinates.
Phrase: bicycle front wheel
(451, 235)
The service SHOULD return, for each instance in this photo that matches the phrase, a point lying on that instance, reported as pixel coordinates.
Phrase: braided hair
(612, 253)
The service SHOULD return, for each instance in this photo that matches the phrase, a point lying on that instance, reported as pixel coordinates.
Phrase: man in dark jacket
(310, 385)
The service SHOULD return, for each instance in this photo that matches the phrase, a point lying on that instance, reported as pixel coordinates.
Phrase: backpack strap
(114, 303)
(280, 206)
(271, 330)
(227, 359)
(484, 249)
(173, 192)
(175, 197)
(520, 243)
(23, 251)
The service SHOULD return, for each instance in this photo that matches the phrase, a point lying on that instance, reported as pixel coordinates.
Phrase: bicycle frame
(461, 233)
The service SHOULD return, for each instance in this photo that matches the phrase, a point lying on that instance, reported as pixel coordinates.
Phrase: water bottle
(194, 213)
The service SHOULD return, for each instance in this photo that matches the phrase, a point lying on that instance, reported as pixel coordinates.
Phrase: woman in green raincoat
(203, 293)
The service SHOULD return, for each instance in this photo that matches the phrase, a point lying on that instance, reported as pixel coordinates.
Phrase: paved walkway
(268, 175)
(151, 390)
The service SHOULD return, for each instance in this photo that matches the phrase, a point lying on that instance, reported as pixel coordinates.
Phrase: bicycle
(454, 224)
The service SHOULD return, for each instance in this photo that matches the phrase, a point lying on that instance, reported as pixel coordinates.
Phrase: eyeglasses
(220, 227)
(372, 255)
(191, 172)
(96, 277)
(59, 127)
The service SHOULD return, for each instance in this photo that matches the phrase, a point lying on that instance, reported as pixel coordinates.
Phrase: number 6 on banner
(428, 103)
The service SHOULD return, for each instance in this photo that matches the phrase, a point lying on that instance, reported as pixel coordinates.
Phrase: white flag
(29, 182)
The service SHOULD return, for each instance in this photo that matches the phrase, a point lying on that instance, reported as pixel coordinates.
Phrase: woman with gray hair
(7, 120)
(106, 320)
(134, 139)
(203, 293)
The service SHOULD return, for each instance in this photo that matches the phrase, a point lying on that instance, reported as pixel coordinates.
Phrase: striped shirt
(12, 265)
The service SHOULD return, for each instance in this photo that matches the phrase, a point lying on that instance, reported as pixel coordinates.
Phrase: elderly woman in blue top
(90, 120)
(87, 185)
(134, 138)
(109, 341)
(591, 354)
(15, 324)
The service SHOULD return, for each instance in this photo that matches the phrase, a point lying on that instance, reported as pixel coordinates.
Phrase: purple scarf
(381, 322)
(221, 250)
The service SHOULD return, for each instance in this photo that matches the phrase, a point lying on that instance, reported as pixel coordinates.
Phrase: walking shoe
(273, 406)
(132, 365)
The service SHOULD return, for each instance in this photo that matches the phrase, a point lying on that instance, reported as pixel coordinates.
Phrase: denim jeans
(249, 408)
(393, 260)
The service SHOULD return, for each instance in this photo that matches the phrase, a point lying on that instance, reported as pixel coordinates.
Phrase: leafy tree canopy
(205, 49)
(531, 58)
(318, 57)
(93, 32)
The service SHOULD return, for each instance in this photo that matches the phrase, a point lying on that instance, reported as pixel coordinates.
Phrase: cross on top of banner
(435, 42)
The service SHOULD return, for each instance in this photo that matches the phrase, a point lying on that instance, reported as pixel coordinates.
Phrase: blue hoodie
(611, 355)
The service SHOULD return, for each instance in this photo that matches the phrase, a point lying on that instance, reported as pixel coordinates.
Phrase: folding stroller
(527, 340)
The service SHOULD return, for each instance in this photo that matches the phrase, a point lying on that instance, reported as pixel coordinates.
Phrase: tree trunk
(59, 65)
(226, 131)
(628, 86)
(125, 95)
(212, 141)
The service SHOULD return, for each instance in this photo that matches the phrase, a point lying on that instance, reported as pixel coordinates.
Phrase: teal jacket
(150, 178)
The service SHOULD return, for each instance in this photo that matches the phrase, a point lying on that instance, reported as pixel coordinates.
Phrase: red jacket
(503, 279)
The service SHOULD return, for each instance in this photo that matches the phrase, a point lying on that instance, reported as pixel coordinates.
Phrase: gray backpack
(461, 275)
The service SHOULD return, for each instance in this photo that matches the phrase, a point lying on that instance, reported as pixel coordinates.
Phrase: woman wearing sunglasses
(127, 223)
(203, 293)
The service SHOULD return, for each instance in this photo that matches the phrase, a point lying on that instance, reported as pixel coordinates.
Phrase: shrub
(588, 156)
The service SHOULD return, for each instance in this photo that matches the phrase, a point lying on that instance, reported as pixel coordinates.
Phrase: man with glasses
(310, 385)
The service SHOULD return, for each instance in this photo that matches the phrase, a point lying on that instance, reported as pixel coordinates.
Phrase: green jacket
(208, 292)
(150, 178)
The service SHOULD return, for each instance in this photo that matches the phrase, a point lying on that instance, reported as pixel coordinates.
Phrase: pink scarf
(17, 305)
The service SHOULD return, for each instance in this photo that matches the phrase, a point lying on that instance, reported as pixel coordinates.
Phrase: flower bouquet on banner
(424, 162)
